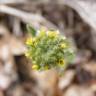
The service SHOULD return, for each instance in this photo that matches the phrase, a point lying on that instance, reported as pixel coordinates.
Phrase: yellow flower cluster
(61, 62)
(35, 67)
(27, 54)
(31, 41)
(46, 67)
(63, 45)
(48, 49)
(53, 33)
(44, 29)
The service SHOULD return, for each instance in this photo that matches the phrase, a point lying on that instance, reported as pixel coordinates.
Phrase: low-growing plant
(48, 49)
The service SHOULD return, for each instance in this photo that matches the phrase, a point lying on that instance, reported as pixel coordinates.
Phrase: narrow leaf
(31, 30)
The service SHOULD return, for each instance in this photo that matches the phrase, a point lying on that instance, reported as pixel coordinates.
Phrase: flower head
(63, 45)
(27, 54)
(48, 49)
(53, 33)
(29, 41)
(46, 67)
(35, 67)
(61, 62)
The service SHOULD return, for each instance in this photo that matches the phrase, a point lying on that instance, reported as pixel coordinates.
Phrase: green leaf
(31, 30)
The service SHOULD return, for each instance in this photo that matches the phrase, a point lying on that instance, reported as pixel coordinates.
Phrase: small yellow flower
(29, 41)
(61, 62)
(27, 54)
(63, 45)
(34, 39)
(42, 33)
(46, 67)
(35, 67)
(43, 29)
(53, 33)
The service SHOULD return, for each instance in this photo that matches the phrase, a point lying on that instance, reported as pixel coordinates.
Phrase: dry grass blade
(34, 19)
(13, 1)
(86, 9)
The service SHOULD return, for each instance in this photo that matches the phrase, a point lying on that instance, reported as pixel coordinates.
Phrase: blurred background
(76, 19)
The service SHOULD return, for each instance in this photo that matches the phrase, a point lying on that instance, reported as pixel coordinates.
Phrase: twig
(13, 1)
(86, 9)
(26, 17)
